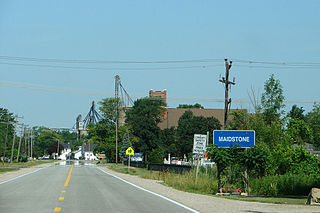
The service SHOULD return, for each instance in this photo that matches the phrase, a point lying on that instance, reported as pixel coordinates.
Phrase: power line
(86, 61)
(108, 68)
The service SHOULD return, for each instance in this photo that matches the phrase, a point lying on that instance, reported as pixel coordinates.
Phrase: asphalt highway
(79, 188)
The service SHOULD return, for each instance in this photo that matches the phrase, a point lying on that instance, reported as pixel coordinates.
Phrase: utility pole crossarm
(225, 80)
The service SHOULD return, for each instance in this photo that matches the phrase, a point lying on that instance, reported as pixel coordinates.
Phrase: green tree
(223, 157)
(108, 109)
(272, 100)
(313, 119)
(296, 113)
(190, 106)
(144, 117)
(6, 134)
(46, 141)
(188, 125)
(299, 131)
(168, 141)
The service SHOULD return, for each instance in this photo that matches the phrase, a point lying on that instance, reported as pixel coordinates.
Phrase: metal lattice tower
(92, 117)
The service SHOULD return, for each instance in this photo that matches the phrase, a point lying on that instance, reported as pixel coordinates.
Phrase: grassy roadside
(205, 185)
(16, 166)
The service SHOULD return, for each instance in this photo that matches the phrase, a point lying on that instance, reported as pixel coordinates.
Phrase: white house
(85, 152)
(66, 152)
(88, 152)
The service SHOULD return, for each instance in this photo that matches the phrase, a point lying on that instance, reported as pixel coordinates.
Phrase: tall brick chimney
(163, 96)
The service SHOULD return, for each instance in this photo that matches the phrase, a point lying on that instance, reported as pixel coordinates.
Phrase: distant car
(45, 157)
(175, 161)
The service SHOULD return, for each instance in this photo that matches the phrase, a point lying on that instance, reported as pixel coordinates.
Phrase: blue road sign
(226, 138)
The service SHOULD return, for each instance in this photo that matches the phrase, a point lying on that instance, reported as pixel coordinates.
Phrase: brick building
(172, 115)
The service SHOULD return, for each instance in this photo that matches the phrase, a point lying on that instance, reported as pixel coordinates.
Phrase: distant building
(85, 152)
(66, 152)
(171, 116)
(174, 114)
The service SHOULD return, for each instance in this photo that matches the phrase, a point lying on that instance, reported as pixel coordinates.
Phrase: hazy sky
(283, 34)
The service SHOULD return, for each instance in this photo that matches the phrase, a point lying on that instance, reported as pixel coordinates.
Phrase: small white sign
(199, 144)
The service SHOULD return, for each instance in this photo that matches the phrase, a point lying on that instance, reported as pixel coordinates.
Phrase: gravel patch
(207, 203)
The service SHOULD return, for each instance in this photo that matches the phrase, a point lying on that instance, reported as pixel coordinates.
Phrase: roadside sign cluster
(199, 145)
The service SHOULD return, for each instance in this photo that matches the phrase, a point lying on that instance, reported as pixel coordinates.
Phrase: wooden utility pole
(117, 82)
(20, 142)
(31, 143)
(14, 137)
(227, 100)
(58, 149)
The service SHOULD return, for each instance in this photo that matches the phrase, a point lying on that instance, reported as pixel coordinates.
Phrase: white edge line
(23, 175)
(143, 189)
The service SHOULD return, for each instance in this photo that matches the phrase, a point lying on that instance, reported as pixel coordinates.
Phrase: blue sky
(149, 31)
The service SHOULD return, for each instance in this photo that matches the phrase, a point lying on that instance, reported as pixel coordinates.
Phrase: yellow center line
(57, 209)
(63, 191)
(68, 179)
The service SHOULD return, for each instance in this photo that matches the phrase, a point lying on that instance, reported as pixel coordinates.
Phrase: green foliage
(188, 125)
(272, 100)
(296, 113)
(299, 131)
(313, 119)
(125, 145)
(108, 109)
(190, 106)
(223, 157)
(156, 156)
(6, 134)
(168, 142)
(45, 141)
(287, 184)
(144, 117)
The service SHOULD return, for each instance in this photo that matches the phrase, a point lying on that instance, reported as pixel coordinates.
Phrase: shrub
(287, 184)
(156, 156)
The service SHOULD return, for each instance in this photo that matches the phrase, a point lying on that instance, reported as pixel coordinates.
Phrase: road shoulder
(207, 203)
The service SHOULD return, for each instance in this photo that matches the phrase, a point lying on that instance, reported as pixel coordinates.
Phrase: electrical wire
(106, 61)
(109, 68)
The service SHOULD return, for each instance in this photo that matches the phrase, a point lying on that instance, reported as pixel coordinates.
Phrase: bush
(156, 156)
(287, 184)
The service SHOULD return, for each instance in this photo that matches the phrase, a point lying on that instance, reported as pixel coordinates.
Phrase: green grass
(296, 200)
(206, 184)
(8, 167)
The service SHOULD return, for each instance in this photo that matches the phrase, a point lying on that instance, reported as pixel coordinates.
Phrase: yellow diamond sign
(129, 151)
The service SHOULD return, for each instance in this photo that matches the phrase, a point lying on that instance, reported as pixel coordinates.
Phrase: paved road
(73, 187)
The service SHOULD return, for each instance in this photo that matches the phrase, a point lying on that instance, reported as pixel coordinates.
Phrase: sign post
(129, 152)
(240, 138)
(199, 148)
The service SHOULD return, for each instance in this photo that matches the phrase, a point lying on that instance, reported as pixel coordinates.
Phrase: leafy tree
(296, 113)
(70, 137)
(269, 134)
(299, 131)
(168, 141)
(272, 100)
(156, 156)
(6, 134)
(46, 141)
(125, 145)
(313, 119)
(188, 125)
(223, 157)
(144, 117)
(190, 106)
(108, 108)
